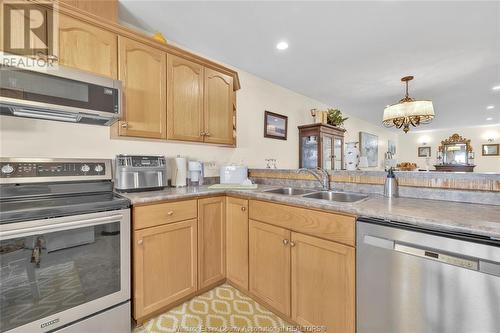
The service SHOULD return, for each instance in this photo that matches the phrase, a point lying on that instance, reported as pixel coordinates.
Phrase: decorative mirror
(456, 152)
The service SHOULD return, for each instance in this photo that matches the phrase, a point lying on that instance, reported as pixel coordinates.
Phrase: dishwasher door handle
(379, 242)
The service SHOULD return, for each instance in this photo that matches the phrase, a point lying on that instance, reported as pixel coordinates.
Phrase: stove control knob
(85, 168)
(98, 168)
(7, 169)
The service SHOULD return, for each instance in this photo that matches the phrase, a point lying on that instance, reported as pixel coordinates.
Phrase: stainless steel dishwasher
(416, 280)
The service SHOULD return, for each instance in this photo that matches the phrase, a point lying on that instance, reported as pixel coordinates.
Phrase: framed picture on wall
(368, 146)
(275, 125)
(424, 151)
(491, 149)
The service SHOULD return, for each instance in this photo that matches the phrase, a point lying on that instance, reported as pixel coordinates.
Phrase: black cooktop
(25, 209)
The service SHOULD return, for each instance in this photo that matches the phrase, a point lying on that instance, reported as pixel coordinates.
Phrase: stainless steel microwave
(61, 94)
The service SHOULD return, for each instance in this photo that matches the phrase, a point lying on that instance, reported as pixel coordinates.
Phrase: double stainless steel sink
(290, 191)
(321, 195)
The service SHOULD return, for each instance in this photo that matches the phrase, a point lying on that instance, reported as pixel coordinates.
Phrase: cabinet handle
(207, 134)
(292, 243)
(124, 124)
(139, 242)
(53, 57)
(202, 133)
(285, 242)
(243, 209)
(170, 213)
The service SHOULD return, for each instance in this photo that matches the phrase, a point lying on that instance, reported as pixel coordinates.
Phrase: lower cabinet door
(270, 265)
(165, 266)
(323, 284)
(211, 241)
(237, 241)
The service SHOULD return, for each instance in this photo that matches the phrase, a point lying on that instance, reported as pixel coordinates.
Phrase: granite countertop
(436, 214)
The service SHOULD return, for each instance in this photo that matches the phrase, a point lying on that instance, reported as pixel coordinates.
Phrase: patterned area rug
(223, 309)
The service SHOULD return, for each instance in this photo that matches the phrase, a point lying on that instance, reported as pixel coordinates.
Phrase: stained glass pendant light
(408, 111)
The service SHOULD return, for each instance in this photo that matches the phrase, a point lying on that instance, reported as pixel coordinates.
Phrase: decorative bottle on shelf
(351, 156)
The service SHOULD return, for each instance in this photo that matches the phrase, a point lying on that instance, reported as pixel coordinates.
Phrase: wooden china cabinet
(322, 146)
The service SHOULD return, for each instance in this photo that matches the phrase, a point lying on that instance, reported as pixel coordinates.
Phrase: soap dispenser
(391, 185)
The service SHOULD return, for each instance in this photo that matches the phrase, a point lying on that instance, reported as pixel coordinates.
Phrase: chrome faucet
(321, 176)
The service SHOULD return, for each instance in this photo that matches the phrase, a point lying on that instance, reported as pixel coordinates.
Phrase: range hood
(61, 94)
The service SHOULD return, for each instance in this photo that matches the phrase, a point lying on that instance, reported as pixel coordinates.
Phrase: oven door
(56, 271)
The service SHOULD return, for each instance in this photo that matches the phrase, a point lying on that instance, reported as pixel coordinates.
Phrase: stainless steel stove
(64, 247)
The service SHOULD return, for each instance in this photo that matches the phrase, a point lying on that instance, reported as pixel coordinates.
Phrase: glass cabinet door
(337, 154)
(326, 153)
(309, 148)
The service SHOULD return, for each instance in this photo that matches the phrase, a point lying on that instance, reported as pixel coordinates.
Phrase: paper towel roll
(179, 172)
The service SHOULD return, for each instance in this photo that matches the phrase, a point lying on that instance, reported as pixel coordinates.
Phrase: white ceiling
(349, 54)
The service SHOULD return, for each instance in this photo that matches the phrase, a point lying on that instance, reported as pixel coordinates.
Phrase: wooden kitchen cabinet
(323, 283)
(184, 99)
(237, 241)
(86, 47)
(211, 241)
(270, 265)
(218, 107)
(165, 266)
(142, 70)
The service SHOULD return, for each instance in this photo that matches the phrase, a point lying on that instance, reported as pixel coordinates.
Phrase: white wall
(39, 138)
(408, 144)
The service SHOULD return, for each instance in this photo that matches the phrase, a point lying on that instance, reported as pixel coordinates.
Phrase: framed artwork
(391, 147)
(368, 146)
(491, 149)
(275, 125)
(424, 151)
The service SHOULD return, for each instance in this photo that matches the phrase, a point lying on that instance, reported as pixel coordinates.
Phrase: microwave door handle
(21, 112)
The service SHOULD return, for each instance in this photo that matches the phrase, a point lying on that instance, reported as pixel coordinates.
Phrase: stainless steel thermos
(391, 185)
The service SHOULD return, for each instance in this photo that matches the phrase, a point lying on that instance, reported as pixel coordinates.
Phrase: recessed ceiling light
(282, 45)
(489, 118)
(490, 107)
(496, 88)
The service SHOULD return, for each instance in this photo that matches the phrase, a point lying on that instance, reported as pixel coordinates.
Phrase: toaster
(140, 173)
(233, 174)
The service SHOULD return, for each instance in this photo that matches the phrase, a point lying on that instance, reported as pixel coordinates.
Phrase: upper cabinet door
(86, 47)
(142, 70)
(184, 99)
(218, 107)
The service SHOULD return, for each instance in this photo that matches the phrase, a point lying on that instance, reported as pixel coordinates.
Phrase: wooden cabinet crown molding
(121, 30)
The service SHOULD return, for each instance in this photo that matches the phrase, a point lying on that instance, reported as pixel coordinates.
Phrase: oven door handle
(58, 226)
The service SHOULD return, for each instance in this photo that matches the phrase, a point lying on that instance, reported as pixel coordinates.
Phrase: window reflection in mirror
(455, 153)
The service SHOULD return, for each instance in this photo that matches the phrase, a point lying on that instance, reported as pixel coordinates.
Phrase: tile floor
(223, 309)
